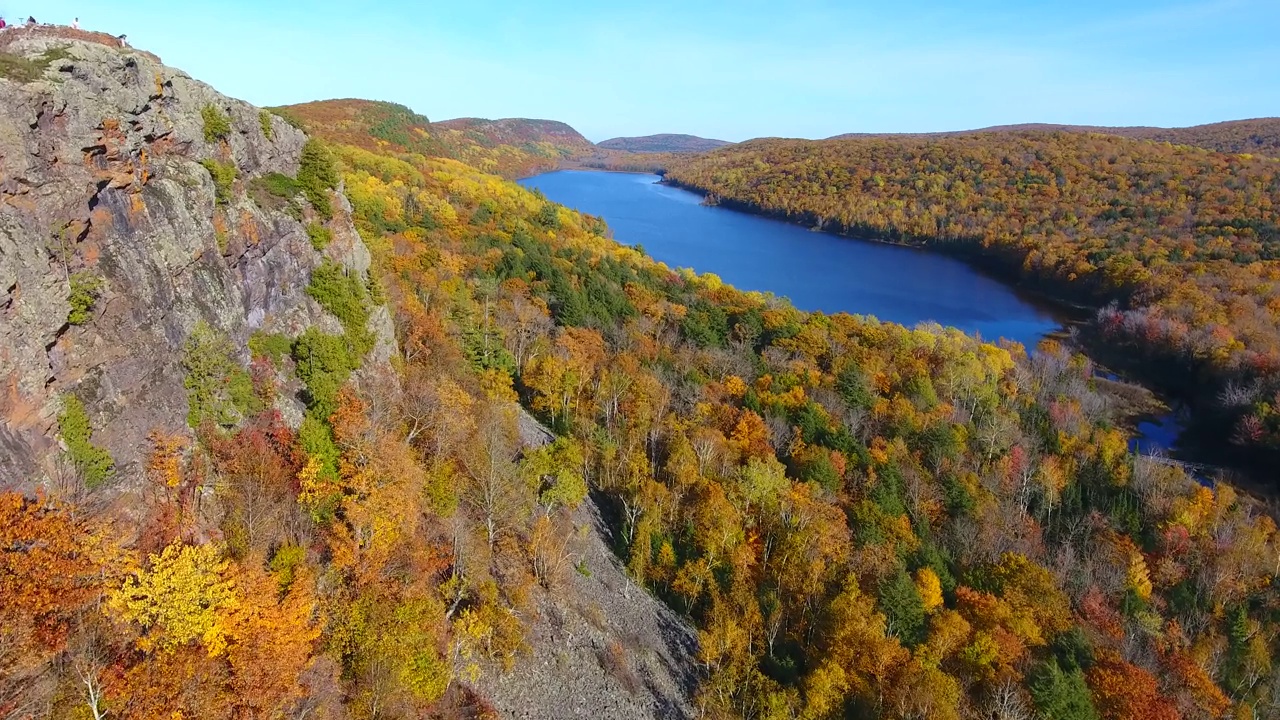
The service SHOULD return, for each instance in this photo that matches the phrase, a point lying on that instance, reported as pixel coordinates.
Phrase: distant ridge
(511, 147)
(518, 131)
(663, 143)
(1257, 135)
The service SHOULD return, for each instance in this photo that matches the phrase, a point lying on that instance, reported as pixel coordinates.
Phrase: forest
(512, 147)
(1178, 247)
(861, 520)
(1259, 136)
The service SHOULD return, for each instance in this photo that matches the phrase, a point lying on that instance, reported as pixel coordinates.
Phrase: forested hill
(267, 388)
(511, 147)
(1258, 136)
(1185, 239)
(662, 143)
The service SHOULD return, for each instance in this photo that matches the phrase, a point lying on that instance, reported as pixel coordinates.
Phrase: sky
(728, 70)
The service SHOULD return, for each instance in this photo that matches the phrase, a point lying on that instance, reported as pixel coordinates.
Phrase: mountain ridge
(1249, 135)
(511, 147)
(662, 143)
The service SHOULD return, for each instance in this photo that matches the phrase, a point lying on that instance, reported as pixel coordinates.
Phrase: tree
(1061, 694)
(181, 597)
(49, 574)
(903, 608)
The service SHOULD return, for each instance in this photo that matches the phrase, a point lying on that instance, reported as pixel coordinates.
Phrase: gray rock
(100, 172)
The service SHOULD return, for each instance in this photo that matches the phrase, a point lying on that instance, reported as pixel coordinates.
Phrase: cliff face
(100, 178)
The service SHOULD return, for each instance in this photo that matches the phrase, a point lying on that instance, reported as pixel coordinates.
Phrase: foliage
(1060, 693)
(219, 389)
(342, 293)
(511, 148)
(217, 126)
(859, 519)
(26, 70)
(86, 288)
(264, 120)
(94, 463)
(278, 185)
(319, 235)
(224, 176)
(316, 176)
(181, 597)
(1175, 235)
(324, 362)
(275, 346)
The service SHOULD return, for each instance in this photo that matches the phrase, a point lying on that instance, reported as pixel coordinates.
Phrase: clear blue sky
(733, 70)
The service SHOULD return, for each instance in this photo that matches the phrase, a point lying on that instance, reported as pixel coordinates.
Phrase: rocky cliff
(102, 187)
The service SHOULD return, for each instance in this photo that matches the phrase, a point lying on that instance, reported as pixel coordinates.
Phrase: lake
(815, 270)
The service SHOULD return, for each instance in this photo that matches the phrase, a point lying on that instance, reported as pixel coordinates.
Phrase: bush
(270, 345)
(217, 126)
(316, 174)
(94, 463)
(279, 185)
(324, 362)
(85, 290)
(224, 175)
(264, 119)
(343, 294)
(20, 69)
(320, 235)
(218, 389)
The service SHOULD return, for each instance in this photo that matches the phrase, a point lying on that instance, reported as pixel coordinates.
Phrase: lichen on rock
(101, 176)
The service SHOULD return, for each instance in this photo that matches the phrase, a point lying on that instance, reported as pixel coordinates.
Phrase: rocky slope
(600, 645)
(101, 181)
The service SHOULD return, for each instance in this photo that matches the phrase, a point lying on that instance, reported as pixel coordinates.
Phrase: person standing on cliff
(31, 21)
(2, 24)
(75, 24)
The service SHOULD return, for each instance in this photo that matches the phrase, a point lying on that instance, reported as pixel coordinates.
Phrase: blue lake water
(816, 271)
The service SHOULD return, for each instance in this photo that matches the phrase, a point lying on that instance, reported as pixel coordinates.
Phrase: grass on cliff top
(25, 70)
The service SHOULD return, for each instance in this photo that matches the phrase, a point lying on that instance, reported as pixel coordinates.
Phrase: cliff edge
(136, 204)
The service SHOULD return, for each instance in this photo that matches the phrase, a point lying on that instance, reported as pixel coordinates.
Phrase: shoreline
(1157, 402)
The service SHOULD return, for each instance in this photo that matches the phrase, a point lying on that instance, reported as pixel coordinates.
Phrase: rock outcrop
(101, 178)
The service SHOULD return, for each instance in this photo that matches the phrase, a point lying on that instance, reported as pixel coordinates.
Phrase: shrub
(264, 119)
(85, 290)
(224, 175)
(218, 389)
(270, 345)
(288, 117)
(94, 463)
(316, 174)
(320, 235)
(279, 185)
(324, 362)
(217, 126)
(343, 294)
(23, 70)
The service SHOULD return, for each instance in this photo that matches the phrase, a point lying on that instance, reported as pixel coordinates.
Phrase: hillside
(1185, 240)
(573, 483)
(509, 147)
(663, 143)
(1257, 136)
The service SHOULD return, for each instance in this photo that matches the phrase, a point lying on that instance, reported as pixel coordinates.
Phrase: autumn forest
(856, 519)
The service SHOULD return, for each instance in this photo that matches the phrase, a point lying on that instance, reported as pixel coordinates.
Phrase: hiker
(75, 24)
(31, 22)
(124, 42)
(2, 24)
